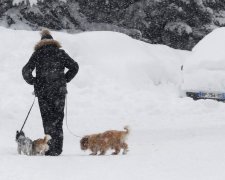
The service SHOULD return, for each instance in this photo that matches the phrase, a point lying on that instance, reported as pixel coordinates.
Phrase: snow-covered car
(204, 70)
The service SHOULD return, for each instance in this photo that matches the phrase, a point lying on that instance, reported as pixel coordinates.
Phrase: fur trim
(45, 42)
(45, 32)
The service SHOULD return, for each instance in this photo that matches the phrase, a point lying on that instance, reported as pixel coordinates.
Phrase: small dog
(40, 146)
(102, 142)
(24, 144)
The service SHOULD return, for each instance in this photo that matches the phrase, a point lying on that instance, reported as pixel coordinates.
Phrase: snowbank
(204, 70)
(117, 57)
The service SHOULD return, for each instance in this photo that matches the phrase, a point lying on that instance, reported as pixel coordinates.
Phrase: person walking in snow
(50, 85)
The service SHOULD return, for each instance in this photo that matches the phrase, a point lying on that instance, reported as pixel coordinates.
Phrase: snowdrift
(121, 59)
(204, 70)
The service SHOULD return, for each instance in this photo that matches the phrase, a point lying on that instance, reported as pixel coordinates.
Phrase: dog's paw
(125, 152)
(115, 153)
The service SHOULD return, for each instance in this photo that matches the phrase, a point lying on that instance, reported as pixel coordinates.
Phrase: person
(50, 86)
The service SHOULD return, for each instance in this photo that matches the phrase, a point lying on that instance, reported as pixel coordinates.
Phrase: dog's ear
(22, 133)
(18, 134)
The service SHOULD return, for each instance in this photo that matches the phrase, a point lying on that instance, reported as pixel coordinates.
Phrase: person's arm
(28, 69)
(71, 65)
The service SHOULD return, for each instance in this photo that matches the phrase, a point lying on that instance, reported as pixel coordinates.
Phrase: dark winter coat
(50, 62)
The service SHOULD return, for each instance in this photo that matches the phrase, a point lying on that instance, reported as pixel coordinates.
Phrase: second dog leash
(28, 114)
(67, 123)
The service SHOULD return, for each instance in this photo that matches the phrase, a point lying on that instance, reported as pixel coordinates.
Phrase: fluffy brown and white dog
(102, 142)
(40, 146)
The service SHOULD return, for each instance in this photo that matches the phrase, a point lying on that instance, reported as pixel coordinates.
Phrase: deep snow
(121, 81)
(204, 69)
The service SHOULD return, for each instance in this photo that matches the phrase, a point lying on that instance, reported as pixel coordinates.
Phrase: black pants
(52, 113)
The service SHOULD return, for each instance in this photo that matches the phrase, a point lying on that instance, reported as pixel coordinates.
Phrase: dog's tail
(127, 128)
(47, 138)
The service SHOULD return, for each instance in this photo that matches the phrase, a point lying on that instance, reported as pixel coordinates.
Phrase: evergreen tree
(177, 23)
(5, 5)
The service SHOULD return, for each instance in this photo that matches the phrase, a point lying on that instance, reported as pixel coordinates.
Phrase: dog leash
(28, 114)
(67, 123)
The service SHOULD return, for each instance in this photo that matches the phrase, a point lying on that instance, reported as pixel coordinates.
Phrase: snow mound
(204, 70)
(107, 57)
(116, 57)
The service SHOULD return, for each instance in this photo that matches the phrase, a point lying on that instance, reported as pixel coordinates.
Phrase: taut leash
(28, 114)
(67, 123)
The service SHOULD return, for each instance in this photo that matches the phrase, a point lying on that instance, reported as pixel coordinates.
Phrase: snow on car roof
(204, 70)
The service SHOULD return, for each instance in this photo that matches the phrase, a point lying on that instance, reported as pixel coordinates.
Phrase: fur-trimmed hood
(46, 42)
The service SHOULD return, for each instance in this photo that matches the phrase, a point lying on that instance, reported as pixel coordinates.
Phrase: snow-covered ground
(121, 82)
